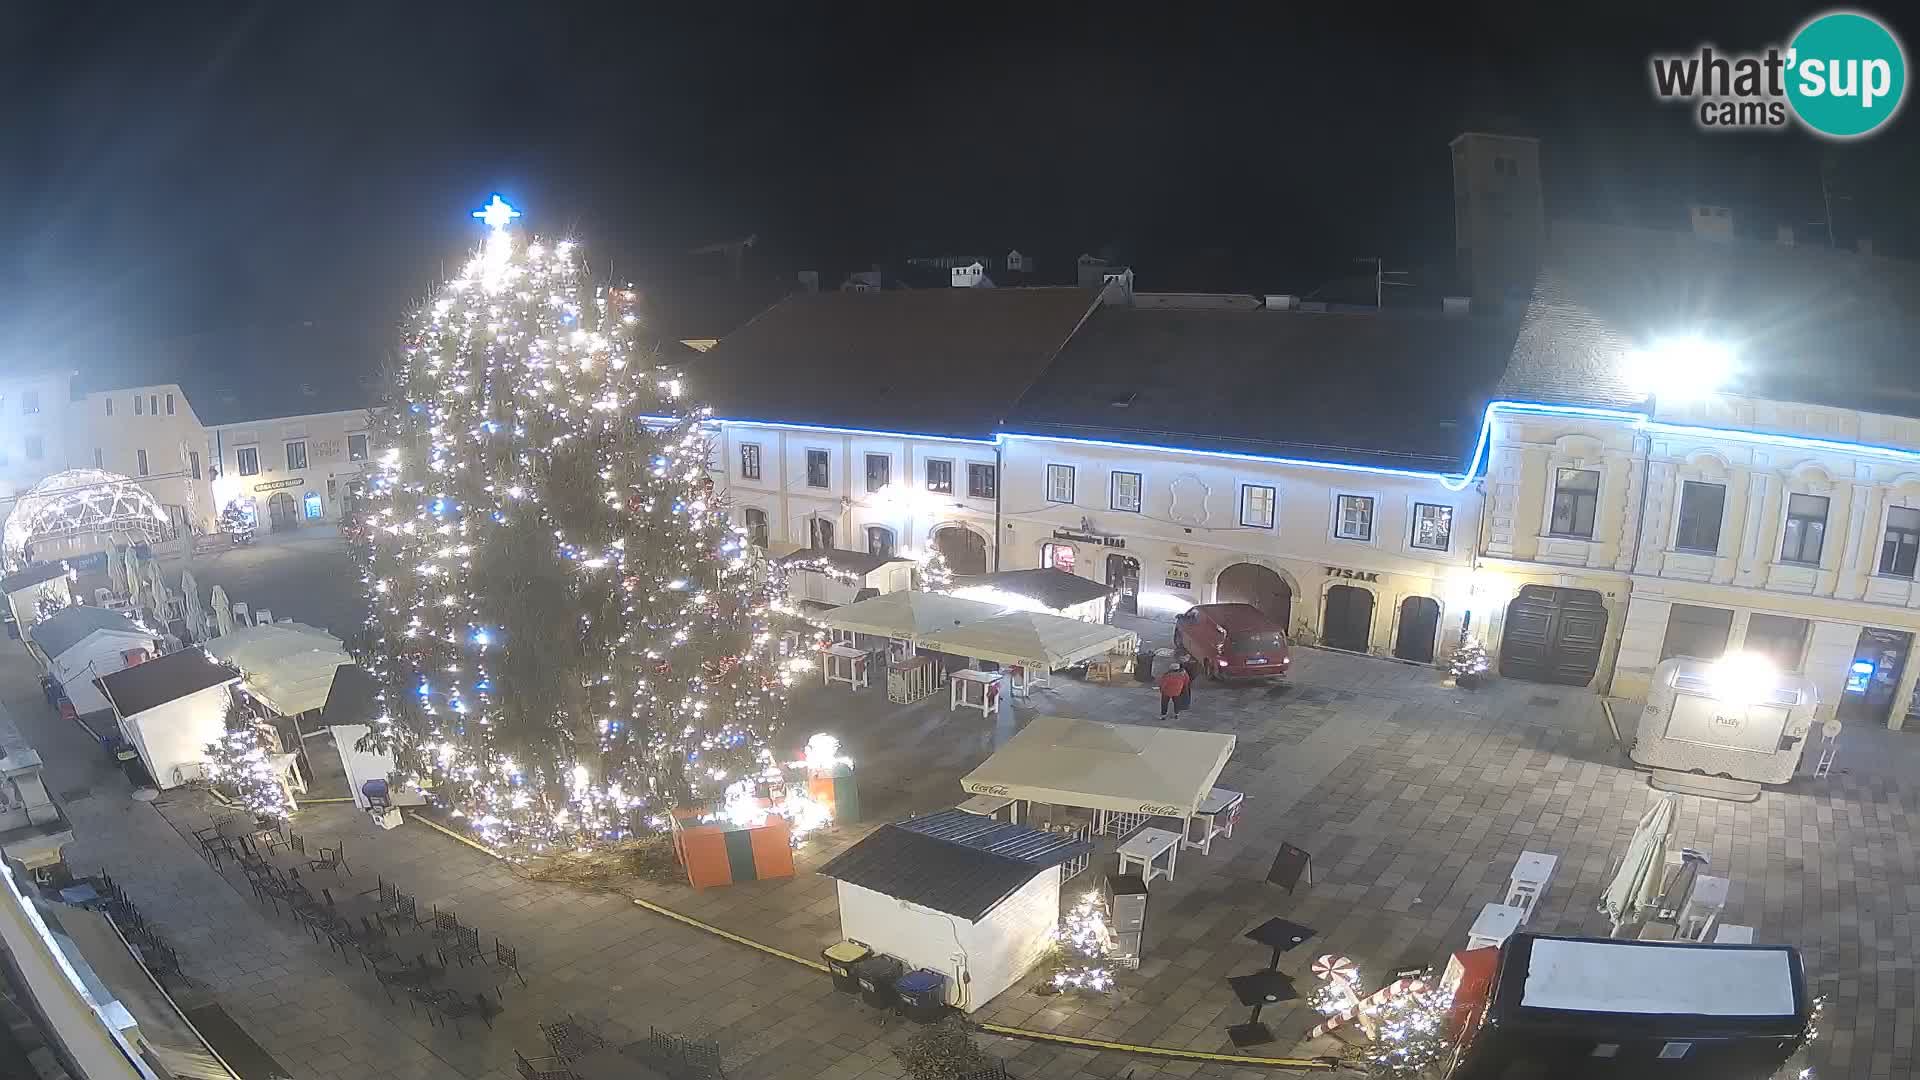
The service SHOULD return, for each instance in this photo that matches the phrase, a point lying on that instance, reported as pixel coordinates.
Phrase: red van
(1234, 641)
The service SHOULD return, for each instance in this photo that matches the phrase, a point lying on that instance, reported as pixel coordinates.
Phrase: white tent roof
(288, 665)
(1031, 638)
(1069, 762)
(906, 614)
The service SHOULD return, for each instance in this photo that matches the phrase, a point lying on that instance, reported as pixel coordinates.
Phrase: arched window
(756, 522)
(880, 541)
(313, 507)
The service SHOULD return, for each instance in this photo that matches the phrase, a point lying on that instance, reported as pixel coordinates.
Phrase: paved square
(1414, 801)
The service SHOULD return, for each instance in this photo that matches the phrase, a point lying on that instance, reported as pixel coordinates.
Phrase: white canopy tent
(908, 616)
(288, 666)
(1037, 642)
(1122, 768)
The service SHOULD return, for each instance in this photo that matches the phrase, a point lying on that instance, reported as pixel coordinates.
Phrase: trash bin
(1143, 666)
(923, 995)
(841, 957)
(877, 975)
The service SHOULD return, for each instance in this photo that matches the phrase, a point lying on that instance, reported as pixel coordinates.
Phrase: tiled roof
(1400, 390)
(962, 865)
(145, 686)
(932, 362)
(1806, 324)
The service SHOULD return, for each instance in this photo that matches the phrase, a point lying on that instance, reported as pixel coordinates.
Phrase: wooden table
(1145, 848)
(836, 659)
(985, 682)
(1216, 815)
(1496, 924)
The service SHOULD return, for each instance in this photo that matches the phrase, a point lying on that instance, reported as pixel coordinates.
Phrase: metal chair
(445, 923)
(529, 1071)
(454, 1006)
(569, 1040)
(506, 956)
(404, 911)
(332, 858)
(464, 946)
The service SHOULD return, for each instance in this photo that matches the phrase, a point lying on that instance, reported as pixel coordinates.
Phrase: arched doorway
(1251, 583)
(1419, 622)
(1553, 635)
(1123, 575)
(1348, 620)
(964, 549)
(282, 511)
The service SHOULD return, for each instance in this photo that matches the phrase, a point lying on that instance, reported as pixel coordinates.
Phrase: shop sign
(1353, 575)
(276, 485)
(986, 789)
(1179, 577)
(1089, 538)
(1162, 810)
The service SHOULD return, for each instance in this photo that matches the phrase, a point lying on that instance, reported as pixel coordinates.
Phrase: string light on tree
(1084, 934)
(241, 760)
(569, 635)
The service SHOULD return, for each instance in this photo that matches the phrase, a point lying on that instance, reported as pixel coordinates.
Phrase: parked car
(1234, 641)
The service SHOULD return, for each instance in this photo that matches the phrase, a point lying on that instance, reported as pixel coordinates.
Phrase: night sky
(177, 169)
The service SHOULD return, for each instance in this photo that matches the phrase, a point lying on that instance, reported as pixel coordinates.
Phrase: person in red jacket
(1173, 684)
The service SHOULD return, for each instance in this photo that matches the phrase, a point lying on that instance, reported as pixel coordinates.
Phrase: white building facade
(293, 471)
(35, 416)
(151, 434)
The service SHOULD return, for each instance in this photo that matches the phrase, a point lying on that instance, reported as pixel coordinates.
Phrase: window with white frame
(749, 461)
(1806, 530)
(246, 459)
(357, 447)
(1057, 557)
(756, 521)
(820, 533)
(1354, 517)
(1060, 483)
(1901, 544)
(940, 476)
(983, 482)
(880, 541)
(109, 406)
(1576, 501)
(139, 457)
(1124, 492)
(818, 471)
(297, 455)
(1432, 526)
(879, 472)
(1256, 506)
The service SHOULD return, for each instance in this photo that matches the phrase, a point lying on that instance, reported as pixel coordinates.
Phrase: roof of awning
(1070, 762)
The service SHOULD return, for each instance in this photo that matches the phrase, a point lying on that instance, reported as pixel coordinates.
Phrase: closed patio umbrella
(222, 611)
(1636, 885)
(190, 598)
(132, 582)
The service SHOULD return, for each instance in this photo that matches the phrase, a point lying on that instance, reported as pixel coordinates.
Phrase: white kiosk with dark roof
(170, 709)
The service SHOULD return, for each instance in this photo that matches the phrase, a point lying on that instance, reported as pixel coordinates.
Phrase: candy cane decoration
(1333, 966)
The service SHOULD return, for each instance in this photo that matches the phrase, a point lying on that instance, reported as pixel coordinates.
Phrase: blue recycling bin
(923, 995)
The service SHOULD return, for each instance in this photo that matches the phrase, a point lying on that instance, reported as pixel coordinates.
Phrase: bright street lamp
(1679, 369)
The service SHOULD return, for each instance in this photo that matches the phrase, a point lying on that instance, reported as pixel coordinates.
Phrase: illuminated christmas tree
(241, 762)
(569, 634)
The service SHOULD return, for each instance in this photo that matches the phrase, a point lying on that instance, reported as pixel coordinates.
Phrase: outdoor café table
(608, 1063)
(844, 663)
(987, 682)
(1215, 816)
(1145, 849)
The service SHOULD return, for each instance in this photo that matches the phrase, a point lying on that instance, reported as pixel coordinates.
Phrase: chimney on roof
(1117, 287)
(1499, 214)
(1783, 234)
(1712, 223)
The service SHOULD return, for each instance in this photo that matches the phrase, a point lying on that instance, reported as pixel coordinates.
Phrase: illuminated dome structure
(67, 508)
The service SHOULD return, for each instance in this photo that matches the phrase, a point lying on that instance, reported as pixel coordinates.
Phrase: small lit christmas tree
(933, 574)
(1084, 936)
(569, 635)
(1411, 1039)
(49, 605)
(1469, 663)
(242, 761)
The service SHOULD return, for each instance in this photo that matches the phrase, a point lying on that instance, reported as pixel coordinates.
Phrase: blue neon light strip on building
(1449, 481)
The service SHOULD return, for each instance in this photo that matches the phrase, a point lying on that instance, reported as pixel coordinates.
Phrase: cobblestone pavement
(1414, 800)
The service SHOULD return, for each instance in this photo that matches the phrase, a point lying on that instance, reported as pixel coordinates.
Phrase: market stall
(289, 666)
(1036, 643)
(905, 617)
(830, 577)
(971, 898)
(24, 589)
(1122, 772)
(1047, 590)
(353, 703)
(170, 709)
(80, 644)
